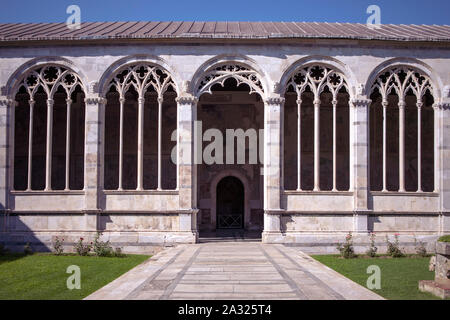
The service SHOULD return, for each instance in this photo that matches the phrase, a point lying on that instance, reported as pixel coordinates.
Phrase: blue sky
(394, 11)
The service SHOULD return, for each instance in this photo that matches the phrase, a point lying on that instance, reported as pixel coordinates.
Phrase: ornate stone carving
(360, 89)
(361, 102)
(317, 78)
(274, 101)
(186, 99)
(443, 106)
(7, 103)
(94, 100)
(93, 87)
(401, 80)
(236, 71)
(185, 86)
(447, 91)
(50, 78)
(142, 77)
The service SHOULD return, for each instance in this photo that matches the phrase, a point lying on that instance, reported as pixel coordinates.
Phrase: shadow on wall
(15, 234)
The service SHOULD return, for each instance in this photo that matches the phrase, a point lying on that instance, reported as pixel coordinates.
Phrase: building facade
(154, 133)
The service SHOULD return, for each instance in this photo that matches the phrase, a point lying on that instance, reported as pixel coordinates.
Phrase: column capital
(361, 102)
(5, 102)
(94, 100)
(401, 104)
(442, 106)
(274, 100)
(186, 99)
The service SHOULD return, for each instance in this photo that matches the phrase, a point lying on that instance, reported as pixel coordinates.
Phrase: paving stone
(232, 271)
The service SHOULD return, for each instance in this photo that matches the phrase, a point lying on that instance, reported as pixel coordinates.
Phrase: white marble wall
(274, 62)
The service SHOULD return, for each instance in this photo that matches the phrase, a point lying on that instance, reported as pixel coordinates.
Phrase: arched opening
(402, 132)
(230, 205)
(140, 117)
(317, 130)
(49, 130)
(230, 116)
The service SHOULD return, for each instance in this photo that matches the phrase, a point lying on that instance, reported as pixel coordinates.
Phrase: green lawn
(43, 276)
(399, 276)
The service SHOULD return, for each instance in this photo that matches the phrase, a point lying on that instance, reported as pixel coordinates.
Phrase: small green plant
(81, 248)
(346, 249)
(444, 238)
(58, 248)
(118, 253)
(372, 251)
(27, 249)
(102, 248)
(421, 250)
(393, 248)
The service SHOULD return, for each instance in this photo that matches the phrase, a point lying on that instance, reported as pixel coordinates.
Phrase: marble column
(442, 117)
(68, 114)
(273, 160)
(49, 144)
(6, 146)
(401, 151)
(93, 158)
(30, 144)
(140, 151)
(316, 145)
(187, 168)
(360, 131)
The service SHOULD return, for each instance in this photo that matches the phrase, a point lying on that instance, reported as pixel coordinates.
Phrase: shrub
(101, 248)
(421, 250)
(444, 238)
(81, 248)
(393, 248)
(58, 248)
(372, 251)
(118, 253)
(27, 249)
(346, 249)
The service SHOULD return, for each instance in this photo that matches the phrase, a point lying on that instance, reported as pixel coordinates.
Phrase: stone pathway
(232, 270)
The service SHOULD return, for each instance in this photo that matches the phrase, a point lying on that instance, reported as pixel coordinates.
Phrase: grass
(399, 276)
(444, 238)
(43, 276)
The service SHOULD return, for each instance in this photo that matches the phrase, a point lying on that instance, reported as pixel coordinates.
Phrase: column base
(273, 237)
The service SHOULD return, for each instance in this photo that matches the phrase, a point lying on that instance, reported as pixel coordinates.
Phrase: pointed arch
(403, 125)
(407, 64)
(65, 66)
(218, 69)
(334, 66)
(154, 67)
(321, 159)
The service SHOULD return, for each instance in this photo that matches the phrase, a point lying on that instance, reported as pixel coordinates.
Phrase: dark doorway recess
(230, 203)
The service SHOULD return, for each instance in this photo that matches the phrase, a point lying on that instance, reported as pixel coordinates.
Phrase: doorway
(230, 203)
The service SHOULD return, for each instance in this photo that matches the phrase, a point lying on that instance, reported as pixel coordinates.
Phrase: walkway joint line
(285, 276)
